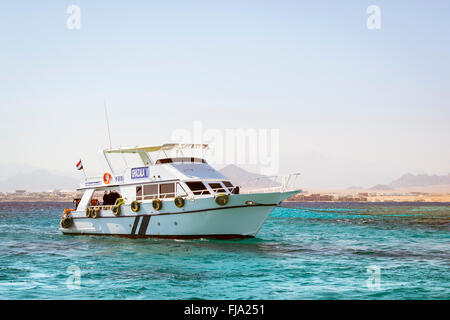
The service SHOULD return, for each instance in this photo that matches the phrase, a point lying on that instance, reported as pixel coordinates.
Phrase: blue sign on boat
(139, 173)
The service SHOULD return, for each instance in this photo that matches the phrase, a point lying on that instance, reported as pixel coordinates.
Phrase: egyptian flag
(79, 165)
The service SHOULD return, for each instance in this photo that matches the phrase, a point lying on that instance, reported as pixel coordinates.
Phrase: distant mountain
(38, 180)
(420, 180)
(355, 188)
(243, 178)
(381, 187)
(411, 180)
(8, 170)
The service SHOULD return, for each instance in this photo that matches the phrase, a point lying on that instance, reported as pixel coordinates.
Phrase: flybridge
(148, 165)
(167, 146)
(144, 151)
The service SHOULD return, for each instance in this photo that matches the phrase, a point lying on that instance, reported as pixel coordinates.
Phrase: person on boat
(106, 197)
(114, 195)
(110, 198)
(76, 202)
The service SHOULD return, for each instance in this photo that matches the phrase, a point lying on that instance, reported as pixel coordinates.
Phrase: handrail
(200, 192)
(161, 196)
(282, 186)
(287, 183)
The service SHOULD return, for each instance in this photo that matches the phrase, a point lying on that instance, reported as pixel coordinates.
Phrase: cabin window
(197, 187)
(180, 191)
(228, 184)
(139, 192)
(167, 190)
(96, 197)
(150, 191)
(217, 187)
(180, 159)
(102, 197)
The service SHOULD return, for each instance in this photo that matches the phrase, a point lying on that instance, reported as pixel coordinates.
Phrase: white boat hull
(242, 217)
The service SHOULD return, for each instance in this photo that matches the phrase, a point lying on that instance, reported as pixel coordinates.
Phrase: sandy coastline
(440, 193)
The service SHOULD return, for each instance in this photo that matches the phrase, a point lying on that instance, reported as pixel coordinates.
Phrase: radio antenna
(107, 125)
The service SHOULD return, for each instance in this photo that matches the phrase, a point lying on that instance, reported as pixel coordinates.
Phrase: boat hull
(242, 217)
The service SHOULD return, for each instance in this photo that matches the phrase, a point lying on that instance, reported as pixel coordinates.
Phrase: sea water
(306, 251)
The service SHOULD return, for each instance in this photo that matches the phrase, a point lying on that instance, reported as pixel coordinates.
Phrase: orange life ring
(107, 178)
(67, 211)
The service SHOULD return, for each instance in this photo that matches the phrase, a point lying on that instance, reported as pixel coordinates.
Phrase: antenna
(107, 125)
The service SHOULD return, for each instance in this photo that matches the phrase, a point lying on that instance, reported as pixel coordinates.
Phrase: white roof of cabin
(167, 146)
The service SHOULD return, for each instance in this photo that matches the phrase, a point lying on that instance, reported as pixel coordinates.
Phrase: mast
(107, 125)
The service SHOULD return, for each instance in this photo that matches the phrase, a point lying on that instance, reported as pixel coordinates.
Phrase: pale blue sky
(378, 100)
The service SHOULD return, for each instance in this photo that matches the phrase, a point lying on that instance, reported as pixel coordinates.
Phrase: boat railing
(172, 195)
(286, 183)
(202, 192)
(166, 195)
(266, 184)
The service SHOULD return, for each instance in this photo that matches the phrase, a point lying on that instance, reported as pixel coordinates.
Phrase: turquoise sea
(312, 251)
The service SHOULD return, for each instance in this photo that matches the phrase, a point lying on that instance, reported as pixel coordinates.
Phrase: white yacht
(170, 197)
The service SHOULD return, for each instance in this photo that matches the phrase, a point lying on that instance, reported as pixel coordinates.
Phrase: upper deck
(155, 165)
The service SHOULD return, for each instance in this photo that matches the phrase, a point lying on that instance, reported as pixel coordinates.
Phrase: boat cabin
(156, 175)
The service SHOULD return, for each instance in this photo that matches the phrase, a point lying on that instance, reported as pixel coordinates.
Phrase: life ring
(157, 204)
(66, 222)
(135, 206)
(67, 211)
(222, 199)
(179, 202)
(107, 178)
(88, 212)
(95, 213)
(116, 211)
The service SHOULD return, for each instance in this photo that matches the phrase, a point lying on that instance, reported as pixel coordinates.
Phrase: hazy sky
(353, 105)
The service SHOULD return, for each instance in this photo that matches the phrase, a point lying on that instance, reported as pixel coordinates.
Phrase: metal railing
(202, 192)
(172, 195)
(279, 183)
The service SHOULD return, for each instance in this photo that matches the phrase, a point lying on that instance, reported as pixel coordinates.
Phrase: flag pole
(82, 168)
(107, 124)
(84, 172)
